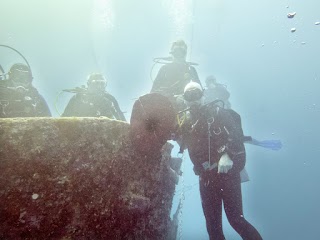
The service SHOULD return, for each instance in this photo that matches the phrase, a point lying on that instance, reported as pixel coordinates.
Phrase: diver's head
(179, 50)
(193, 94)
(96, 82)
(211, 81)
(20, 75)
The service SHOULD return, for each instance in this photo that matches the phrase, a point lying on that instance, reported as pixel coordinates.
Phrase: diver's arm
(194, 75)
(43, 109)
(69, 111)
(158, 82)
(234, 146)
(117, 111)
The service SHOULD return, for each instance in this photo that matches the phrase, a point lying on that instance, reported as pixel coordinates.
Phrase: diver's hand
(225, 163)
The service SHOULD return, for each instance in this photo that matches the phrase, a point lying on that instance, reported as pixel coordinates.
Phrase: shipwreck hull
(80, 178)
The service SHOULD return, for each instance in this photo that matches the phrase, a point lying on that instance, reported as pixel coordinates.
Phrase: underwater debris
(35, 196)
(293, 30)
(317, 23)
(291, 15)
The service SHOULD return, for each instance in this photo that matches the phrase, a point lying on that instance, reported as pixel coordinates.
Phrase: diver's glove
(225, 163)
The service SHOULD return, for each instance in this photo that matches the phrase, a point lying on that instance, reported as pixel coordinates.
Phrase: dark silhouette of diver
(215, 91)
(175, 75)
(18, 97)
(93, 101)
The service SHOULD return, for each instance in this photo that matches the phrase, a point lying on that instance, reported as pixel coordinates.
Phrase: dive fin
(270, 144)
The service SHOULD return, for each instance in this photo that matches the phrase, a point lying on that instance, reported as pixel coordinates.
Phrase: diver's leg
(212, 207)
(232, 199)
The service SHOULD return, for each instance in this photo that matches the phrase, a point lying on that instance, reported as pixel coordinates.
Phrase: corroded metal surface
(79, 178)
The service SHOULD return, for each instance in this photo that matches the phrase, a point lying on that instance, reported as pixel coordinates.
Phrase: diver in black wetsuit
(18, 97)
(215, 143)
(215, 90)
(93, 101)
(174, 76)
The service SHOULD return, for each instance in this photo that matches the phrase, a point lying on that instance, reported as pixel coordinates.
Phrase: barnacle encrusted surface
(80, 178)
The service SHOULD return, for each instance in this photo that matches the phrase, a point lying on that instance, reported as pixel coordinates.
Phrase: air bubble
(291, 15)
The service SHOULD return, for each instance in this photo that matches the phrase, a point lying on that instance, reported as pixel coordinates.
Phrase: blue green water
(272, 74)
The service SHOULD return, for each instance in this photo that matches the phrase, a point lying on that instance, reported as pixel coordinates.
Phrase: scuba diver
(175, 75)
(215, 90)
(18, 97)
(214, 138)
(93, 101)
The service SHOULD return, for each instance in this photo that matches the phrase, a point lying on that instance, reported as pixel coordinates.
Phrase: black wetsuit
(218, 92)
(88, 104)
(19, 101)
(172, 79)
(215, 188)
